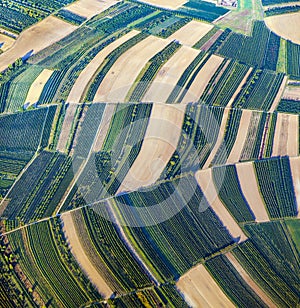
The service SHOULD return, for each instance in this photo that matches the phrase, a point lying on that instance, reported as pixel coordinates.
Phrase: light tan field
(36, 38)
(285, 25)
(7, 40)
(205, 181)
(238, 90)
(292, 93)
(279, 94)
(200, 82)
(80, 256)
(90, 8)
(295, 167)
(219, 139)
(200, 289)
(104, 126)
(286, 138)
(248, 183)
(191, 33)
(252, 284)
(168, 4)
(241, 137)
(160, 142)
(66, 127)
(124, 72)
(169, 74)
(87, 74)
(37, 86)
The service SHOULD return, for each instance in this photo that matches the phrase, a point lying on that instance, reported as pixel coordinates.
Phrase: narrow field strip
(238, 90)
(168, 4)
(125, 70)
(252, 284)
(191, 33)
(36, 38)
(160, 142)
(86, 75)
(37, 86)
(205, 181)
(295, 168)
(219, 139)
(66, 127)
(203, 77)
(286, 135)
(169, 74)
(240, 140)
(250, 190)
(200, 289)
(81, 257)
(279, 94)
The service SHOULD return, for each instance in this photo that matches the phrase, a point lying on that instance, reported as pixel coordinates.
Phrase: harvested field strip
(87, 74)
(89, 8)
(191, 33)
(37, 37)
(67, 127)
(169, 75)
(201, 80)
(37, 86)
(81, 257)
(160, 142)
(205, 181)
(125, 70)
(241, 139)
(248, 183)
(200, 289)
(279, 94)
(286, 137)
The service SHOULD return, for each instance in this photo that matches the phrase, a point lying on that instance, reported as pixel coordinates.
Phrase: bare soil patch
(168, 4)
(292, 93)
(6, 42)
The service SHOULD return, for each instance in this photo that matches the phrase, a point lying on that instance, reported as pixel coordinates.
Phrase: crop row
(166, 295)
(184, 77)
(26, 131)
(70, 17)
(18, 15)
(260, 90)
(275, 184)
(282, 10)
(293, 59)
(227, 184)
(232, 127)
(289, 106)
(174, 237)
(232, 283)
(202, 10)
(44, 257)
(145, 78)
(262, 271)
(109, 62)
(101, 241)
(255, 136)
(199, 133)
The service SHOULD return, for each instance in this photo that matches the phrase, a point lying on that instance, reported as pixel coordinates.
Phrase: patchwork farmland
(149, 154)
